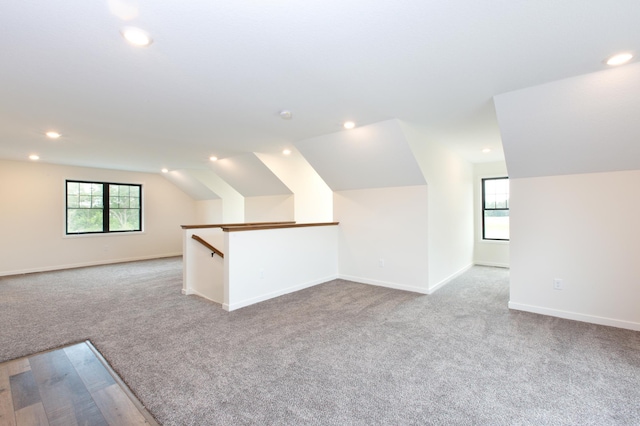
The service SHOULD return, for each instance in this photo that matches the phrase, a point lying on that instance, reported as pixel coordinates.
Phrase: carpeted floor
(340, 353)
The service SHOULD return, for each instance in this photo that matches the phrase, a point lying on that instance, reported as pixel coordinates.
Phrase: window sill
(106, 234)
(499, 242)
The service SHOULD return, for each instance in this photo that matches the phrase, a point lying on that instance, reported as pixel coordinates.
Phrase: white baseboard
(575, 316)
(189, 292)
(262, 298)
(494, 264)
(396, 286)
(434, 288)
(85, 264)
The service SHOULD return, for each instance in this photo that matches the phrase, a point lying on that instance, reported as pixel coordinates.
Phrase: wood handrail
(209, 246)
(220, 225)
(233, 228)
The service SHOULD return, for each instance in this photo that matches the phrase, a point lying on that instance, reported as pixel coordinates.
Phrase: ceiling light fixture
(213, 158)
(285, 114)
(136, 36)
(619, 59)
(486, 151)
(349, 125)
(286, 151)
(34, 157)
(53, 135)
(165, 170)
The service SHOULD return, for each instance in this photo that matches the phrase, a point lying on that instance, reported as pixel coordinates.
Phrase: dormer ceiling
(249, 176)
(584, 124)
(218, 73)
(373, 156)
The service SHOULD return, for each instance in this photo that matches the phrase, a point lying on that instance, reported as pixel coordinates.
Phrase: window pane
(72, 201)
(124, 220)
(113, 190)
(73, 188)
(496, 224)
(135, 191)
(490, 201)
(85, 201)
(84, 220)
(96, 189)
(96, 202)
(134, 203)
(123, 190)
(85, 188)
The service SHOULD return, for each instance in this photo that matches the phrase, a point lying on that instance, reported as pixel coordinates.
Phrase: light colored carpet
(340, 353)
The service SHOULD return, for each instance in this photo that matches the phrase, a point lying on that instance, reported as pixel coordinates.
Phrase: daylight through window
(101, 207)
(495, 208)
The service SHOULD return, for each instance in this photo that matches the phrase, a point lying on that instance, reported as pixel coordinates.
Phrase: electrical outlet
(558, 284)
(381, 263)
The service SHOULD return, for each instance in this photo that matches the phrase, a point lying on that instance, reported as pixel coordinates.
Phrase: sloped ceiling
(249, 176)
(218, 73)
(190, 185)
(373, 156)
(584, 124)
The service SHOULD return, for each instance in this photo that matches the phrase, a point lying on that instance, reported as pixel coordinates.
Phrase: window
(101, 207)
(495, 209)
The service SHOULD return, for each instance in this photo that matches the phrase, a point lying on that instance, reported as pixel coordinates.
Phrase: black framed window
(495, 209)
(102, 207)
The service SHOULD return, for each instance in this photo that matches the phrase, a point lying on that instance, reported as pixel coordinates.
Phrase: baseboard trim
(85, 264)
(262, 298)
(494, 264)
(192, 292)
(593, 319)
(450, 278)
(386, 284)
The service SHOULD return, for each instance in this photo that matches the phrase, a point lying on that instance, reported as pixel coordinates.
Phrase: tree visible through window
(100, 207)
(495, 208)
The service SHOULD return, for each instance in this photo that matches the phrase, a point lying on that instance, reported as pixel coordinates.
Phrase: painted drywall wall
(208, 211)
(269, 208)
(486, 252)
(584, 230)
(232, 200)
(383, 236)
(202, 272)
(32, 219)
(313, 199)
(450, 206)
(260, 265)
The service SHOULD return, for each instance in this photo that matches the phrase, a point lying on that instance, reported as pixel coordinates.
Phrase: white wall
(486, 252)
(32, 219)
(313, 199)
(202, 273)
(269, 208)
(583, 229)
(388, 224)
(260, 265)
(208, 212)
(450, 206)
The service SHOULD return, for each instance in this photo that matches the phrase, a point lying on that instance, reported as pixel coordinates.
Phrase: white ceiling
(583, 124)
(218, 73)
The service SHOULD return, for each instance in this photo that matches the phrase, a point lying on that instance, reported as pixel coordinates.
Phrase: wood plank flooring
(70, 386)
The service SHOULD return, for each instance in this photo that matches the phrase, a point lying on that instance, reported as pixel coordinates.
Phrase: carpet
(340, 353)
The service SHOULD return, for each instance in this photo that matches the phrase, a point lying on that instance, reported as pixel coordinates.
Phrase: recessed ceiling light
(34, 157)
(136, 36)
(349, 125)
(286, 151)
(53, 135)
(486, 150)
(285, 114)
(619, 59)
(213, 158)
(165, 170)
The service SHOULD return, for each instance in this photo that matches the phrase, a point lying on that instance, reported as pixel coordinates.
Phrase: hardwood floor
(69, 386)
